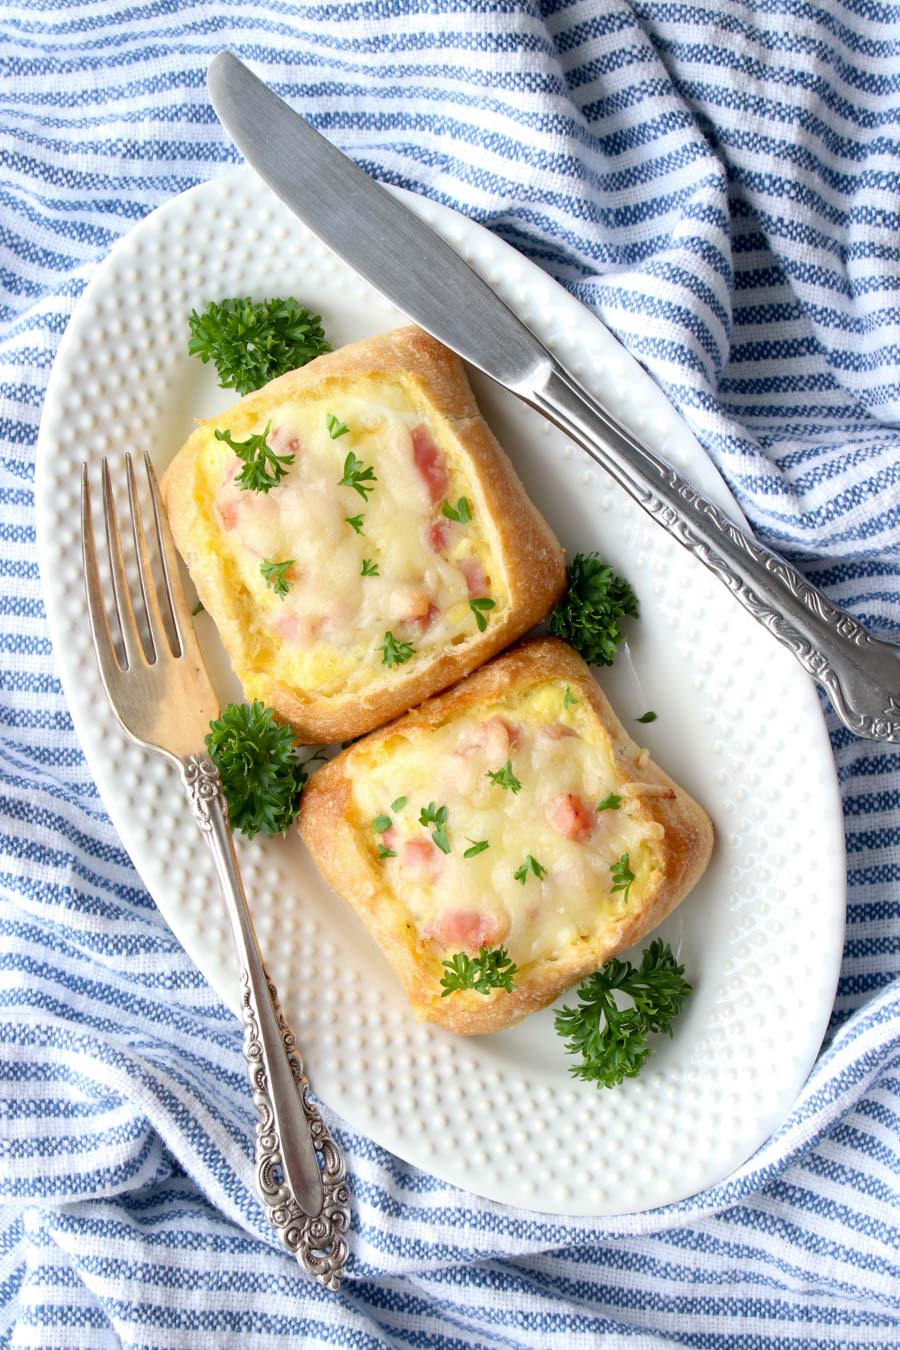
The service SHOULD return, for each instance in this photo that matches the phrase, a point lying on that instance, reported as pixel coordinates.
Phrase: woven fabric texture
(720, 185)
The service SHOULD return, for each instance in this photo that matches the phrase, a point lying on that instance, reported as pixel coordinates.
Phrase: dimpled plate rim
(762, 934)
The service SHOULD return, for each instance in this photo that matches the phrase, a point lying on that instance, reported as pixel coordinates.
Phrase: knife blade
(413, 267)
(397, 253)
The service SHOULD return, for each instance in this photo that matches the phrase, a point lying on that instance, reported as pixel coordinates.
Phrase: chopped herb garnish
(398, 803)
(529, 865)
(490, 969)
(381, 823)
(461, 512)
(611, 802)
(647, 717)
(436, 816)
(395, 653)
(263, 469)
(478, 846)
(335, 426)
(430, 813)
(250, 342)
(355, 523)
(477, 606)
(274, 576)
(589, 613)
(505, 777)
(623, 876)
(385, 852)
(356, 477)
(369, 568)
(199, 608)
(569, 699)
(439, 835)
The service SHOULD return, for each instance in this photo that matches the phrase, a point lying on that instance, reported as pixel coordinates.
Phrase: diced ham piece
(227, 512)
(438, 534)
(569, 816)
(409, 603)
(557, 731)
(287, 626)
(296, 627)
(226, 503)
(390, 838)
(463, 772)
(430, 463)
(496, 737)
(283, 442)
(424, 621)
(473, 572)
(466, 930)
(421, 861)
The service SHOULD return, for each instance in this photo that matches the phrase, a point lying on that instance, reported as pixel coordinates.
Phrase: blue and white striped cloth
(720, 182)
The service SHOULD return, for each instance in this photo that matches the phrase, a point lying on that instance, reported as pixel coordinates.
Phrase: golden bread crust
(523, 543)
(346, 861)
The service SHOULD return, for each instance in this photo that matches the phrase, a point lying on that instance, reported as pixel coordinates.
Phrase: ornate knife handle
(300, 1170)
(860, 673)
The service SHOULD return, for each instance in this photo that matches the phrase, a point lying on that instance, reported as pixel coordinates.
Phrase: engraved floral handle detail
(300, 1170)
(317, 1240)
(860, 673)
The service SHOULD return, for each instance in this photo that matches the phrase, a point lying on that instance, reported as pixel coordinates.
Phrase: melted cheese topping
(324, 636)
(561, 756)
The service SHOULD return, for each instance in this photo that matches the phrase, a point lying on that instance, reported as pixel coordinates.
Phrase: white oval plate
(739, 725)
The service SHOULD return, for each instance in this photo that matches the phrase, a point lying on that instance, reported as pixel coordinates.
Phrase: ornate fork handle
(300, 1170)
(860, 673)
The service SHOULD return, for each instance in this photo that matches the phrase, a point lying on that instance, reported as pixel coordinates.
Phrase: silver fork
(161, 695)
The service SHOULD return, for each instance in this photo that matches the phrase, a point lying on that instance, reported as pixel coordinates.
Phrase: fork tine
(103, 643)
(152, 611)
(134, 650)
(178, 605)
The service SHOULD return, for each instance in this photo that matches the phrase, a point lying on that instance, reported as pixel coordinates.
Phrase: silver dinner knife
(416, 270)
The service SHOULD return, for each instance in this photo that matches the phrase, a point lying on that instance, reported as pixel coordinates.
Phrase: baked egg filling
(503, 826)
(375, 529)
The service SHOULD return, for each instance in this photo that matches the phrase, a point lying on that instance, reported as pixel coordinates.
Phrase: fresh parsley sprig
(275, 576)
(369, 568)
(569, 699)
(505, 778)
(623, 877)
(395, 653)
(435, 815)
(611, 1040)
(478, 608)
(490, 969)
(379, 825)
(262, 775)
(590, 612)
(531, 865)
(263, 469)
(356, 477)
(335, 426)
(478, 846)
(252, 341)
(355, 523)
(611, 802)
(461, 512)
